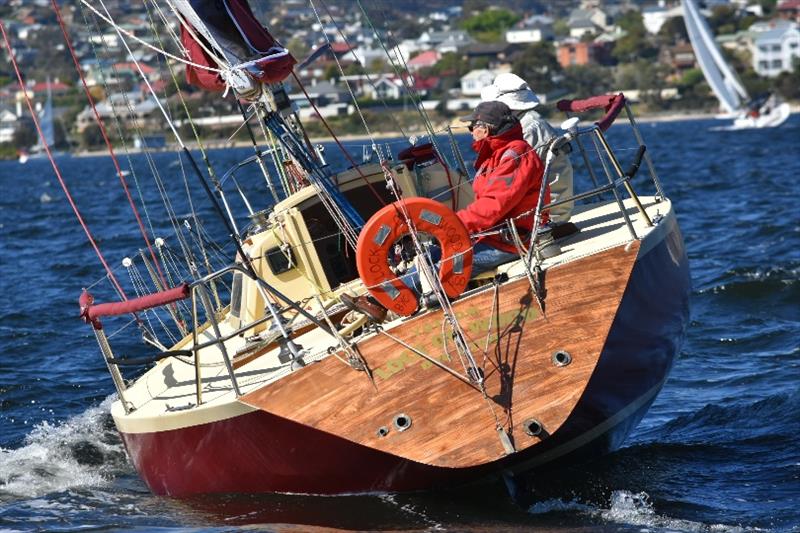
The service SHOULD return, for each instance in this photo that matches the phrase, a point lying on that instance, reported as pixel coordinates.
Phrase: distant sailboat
(47, 137)
(724, 82)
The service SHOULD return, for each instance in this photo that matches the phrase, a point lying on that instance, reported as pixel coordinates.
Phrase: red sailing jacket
(507, 182)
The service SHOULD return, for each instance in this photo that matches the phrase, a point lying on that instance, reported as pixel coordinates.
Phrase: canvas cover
(232, 33)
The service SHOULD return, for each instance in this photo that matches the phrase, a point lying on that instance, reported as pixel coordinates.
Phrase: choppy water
(718, 451)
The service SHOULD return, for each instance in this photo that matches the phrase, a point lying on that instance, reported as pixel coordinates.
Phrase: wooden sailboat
(275, 386)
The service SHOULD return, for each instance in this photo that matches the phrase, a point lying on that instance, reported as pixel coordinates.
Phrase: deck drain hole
(561, 358)
(383, 431)
(402, 422)
(533, 427)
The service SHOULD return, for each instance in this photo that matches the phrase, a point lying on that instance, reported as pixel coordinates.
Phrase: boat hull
(261, 451)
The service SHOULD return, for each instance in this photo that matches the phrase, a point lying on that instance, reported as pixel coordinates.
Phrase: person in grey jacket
(518, 96)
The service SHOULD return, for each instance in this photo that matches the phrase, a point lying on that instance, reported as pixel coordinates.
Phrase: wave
(755, 282)
(627, 508)
(775, 415)
(83, 451)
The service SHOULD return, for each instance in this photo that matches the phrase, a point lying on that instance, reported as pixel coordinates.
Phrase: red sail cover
(271, 64)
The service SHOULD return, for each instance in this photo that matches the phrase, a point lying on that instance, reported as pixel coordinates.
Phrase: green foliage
(560, 28)
(490, 25)
(91, 136)
(631, 21)
(672, 31)
(691, 78)
(537, 64)
(25, 135)
(635, 44)
(645, 76)
(768, 6)
(787, 84)
(587, 80)
(450, 64)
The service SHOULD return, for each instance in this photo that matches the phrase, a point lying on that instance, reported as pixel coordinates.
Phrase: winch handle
(637, 162)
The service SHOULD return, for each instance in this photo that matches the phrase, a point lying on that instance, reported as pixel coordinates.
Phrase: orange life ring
(387, 226)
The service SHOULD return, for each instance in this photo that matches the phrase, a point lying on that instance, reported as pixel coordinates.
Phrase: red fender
(387, 226)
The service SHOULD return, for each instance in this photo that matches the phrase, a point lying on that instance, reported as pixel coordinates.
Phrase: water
(717, 452)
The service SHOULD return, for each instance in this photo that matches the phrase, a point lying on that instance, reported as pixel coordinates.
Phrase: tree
(672, 31)
(25, 134)
(537, 64)
(635, 43)
(646, 77)
(560, 28)
(586, 80)
(787, 84)
(490, 25)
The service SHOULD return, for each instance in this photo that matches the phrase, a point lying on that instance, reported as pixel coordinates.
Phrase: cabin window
(337, 260)
(280, 260)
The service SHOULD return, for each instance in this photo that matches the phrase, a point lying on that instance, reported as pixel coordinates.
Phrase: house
(56, 88)
(423, 60)
(473, 81)
(572, 52)
(654, 17)
(789, 10)
(497, 55)
(126, 106)
(445, 41)
(385, 87)
(534, 29)
(587, 21)
(775, 50)
(680, 58)
(8, 124)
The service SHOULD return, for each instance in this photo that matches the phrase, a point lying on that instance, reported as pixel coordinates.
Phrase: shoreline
(218, 144)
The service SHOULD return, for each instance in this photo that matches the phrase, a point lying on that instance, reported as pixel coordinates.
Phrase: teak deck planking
(452, 424)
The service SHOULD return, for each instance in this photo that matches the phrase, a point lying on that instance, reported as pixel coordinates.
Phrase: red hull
(259, 452)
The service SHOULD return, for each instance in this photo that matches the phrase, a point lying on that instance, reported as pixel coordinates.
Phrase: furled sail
(226, 35)
(723, 81)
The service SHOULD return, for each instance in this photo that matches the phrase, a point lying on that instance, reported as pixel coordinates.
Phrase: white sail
(723, 81)
(46, 123)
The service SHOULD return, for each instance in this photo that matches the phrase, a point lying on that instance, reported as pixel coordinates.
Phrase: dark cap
(493, 113)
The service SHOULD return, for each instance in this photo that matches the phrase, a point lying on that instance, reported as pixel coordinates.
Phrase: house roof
(132, 67)
(775, 34)
(339, 47)
(54, 86)
(424, 59)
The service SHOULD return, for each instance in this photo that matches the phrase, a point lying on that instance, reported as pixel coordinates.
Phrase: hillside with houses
(389, 57)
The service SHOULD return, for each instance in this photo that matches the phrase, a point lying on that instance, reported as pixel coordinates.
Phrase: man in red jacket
(507, 182)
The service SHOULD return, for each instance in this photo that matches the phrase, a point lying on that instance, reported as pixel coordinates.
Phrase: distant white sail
(46, 123)
(723, 80)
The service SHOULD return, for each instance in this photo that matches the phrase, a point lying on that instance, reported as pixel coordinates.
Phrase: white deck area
(166, 396)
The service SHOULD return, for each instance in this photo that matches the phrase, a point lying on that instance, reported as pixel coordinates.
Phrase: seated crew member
(507, 183)
(537, 132)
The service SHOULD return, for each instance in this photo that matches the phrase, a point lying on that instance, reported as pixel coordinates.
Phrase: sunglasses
(477, 124)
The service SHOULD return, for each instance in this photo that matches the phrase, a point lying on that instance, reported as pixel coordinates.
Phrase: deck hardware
(533, 427)
(402, 422)
(561, 358)
(382, 431)
(505, 440)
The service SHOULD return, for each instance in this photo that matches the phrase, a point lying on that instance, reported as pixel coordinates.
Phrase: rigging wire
(119, 29)
(404, 79)
(102, 126)
(353, 53)
(57, 171)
